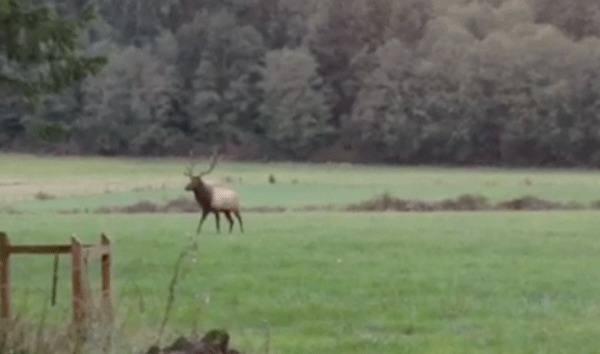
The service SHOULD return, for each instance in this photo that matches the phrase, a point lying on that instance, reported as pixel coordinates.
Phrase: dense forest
(492, 82)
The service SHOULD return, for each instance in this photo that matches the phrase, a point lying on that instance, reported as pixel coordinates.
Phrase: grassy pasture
(94, 182)
(331, 283)
(327, 282)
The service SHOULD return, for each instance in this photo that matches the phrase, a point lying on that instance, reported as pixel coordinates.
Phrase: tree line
(494, 82)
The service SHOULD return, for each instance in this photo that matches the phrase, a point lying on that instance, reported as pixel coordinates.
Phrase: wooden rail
(80, 255)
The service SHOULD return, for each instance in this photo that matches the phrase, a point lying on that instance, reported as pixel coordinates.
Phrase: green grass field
(326, 282)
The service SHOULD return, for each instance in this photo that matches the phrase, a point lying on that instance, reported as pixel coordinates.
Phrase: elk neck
(203, 196)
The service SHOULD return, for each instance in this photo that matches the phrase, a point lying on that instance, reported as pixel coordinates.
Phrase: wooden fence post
(80, 255)
(106, 272)
(79, 301)
(5, 276)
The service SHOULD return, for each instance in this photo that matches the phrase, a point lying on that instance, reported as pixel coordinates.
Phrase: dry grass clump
(44, 196)
(266, 209)
(99, 332)
(21, 336)
(179, 205)
(387, 202)
(99, 336)
(534, 203)
(317, 208)
(381, 203)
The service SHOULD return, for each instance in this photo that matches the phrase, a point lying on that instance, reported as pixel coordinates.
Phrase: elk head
(196, 181)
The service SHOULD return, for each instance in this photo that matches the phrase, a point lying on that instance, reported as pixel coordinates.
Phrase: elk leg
(228, 215)
(218, 220)
(239, 217)
(204, 214)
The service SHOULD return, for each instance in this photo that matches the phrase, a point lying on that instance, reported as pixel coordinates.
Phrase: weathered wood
(41, 249)
(54, 279)
(106, 279)
(4, 276)
(80, 256)
(77, 280)
(95, 252)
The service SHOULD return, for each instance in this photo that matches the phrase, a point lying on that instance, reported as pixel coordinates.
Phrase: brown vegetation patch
(534, 203)
(465, 202)
(266, 209)
(382, 203)
(386, 202)
(179, 205)
(137, 208)
(314, 208)
(44, 196)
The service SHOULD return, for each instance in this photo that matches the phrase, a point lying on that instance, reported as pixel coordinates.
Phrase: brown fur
(204, 194)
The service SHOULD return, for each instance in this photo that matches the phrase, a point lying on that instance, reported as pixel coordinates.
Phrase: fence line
(80, 255)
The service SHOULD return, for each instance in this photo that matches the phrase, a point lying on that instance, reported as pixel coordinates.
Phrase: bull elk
(214, 199)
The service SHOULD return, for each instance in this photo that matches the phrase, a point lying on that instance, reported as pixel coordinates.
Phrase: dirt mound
(140, 207)
(180, 205)
(386, 202)
(465, 202)
(533, 203)
(44, 196)
(382, 203)
(214, 342)
(265, 209)
(315, 208)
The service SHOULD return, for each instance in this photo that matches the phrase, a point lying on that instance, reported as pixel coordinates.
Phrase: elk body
(214, 199)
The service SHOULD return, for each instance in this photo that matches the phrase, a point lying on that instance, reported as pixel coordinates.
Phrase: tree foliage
(38, 49)
(39, 54)
(295, 115)
(403, 81)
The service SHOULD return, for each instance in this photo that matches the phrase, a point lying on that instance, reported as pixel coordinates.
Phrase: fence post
(79, 302)
(5, 275)
(106, 280)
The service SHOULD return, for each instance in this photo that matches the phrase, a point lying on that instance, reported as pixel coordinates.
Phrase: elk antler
(189, 170)
(213, 163)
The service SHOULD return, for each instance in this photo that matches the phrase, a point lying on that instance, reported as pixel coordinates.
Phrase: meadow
(323, 282)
